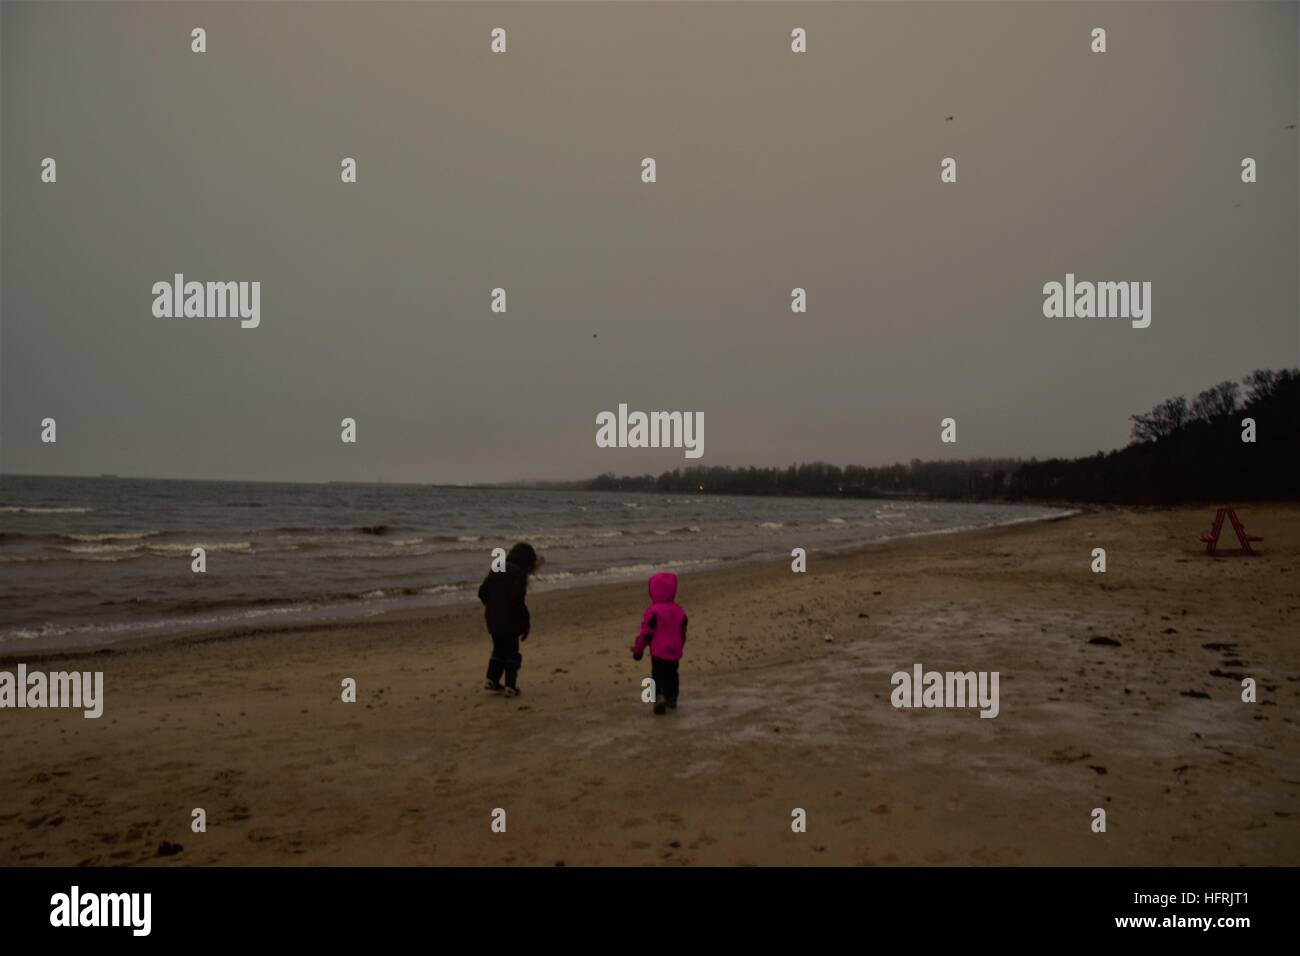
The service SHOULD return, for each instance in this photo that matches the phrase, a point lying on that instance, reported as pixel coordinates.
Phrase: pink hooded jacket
(663, 627)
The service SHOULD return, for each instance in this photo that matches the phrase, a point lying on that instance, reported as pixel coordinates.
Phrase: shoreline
(1118, 691)
(306, 621)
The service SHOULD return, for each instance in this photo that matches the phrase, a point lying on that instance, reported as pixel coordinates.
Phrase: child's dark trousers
(665, 678)
(505, 659)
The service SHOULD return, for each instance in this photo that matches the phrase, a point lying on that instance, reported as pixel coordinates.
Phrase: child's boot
(672, 703)
(660, 703)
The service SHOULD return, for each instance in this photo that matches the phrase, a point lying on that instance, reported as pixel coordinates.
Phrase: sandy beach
(250, 726)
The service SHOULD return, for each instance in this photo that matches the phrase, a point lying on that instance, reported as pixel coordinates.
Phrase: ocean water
(87, 561)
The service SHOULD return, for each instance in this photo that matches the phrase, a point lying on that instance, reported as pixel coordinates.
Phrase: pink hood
(663, 587)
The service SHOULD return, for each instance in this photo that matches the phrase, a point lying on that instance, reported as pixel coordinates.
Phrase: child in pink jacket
(663, 630)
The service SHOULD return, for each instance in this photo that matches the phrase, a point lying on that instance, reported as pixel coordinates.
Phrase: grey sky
(522, 170)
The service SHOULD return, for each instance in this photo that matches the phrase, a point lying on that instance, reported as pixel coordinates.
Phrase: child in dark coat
(506, 615)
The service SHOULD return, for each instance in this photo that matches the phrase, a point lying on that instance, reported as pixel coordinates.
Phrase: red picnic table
(1211, 537)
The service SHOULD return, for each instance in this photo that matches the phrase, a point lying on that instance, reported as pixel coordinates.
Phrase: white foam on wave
(623, 570)
(442, 589)
(218, 547)
(132, 627)
(98, 548)
(17, 509)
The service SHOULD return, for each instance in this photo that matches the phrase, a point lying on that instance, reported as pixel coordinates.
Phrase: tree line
(1180, 450)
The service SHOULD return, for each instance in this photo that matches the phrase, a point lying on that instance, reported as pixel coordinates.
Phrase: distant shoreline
(582, 485)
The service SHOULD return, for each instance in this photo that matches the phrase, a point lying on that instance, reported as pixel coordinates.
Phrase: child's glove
(636, 656)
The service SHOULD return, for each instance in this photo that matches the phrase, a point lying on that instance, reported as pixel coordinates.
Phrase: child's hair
(524, 556)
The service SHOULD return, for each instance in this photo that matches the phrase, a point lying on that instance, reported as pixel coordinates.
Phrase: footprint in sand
(1067, 755)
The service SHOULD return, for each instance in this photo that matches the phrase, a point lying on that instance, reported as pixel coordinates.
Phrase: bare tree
(1218, 400)
(1167, 418)
(1264, 383)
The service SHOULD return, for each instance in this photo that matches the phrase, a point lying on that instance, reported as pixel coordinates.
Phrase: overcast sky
(522, 170)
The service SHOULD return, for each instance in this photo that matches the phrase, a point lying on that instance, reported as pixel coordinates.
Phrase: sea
(89, 561)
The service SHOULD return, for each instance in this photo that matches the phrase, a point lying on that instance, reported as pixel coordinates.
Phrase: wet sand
(250, 725)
